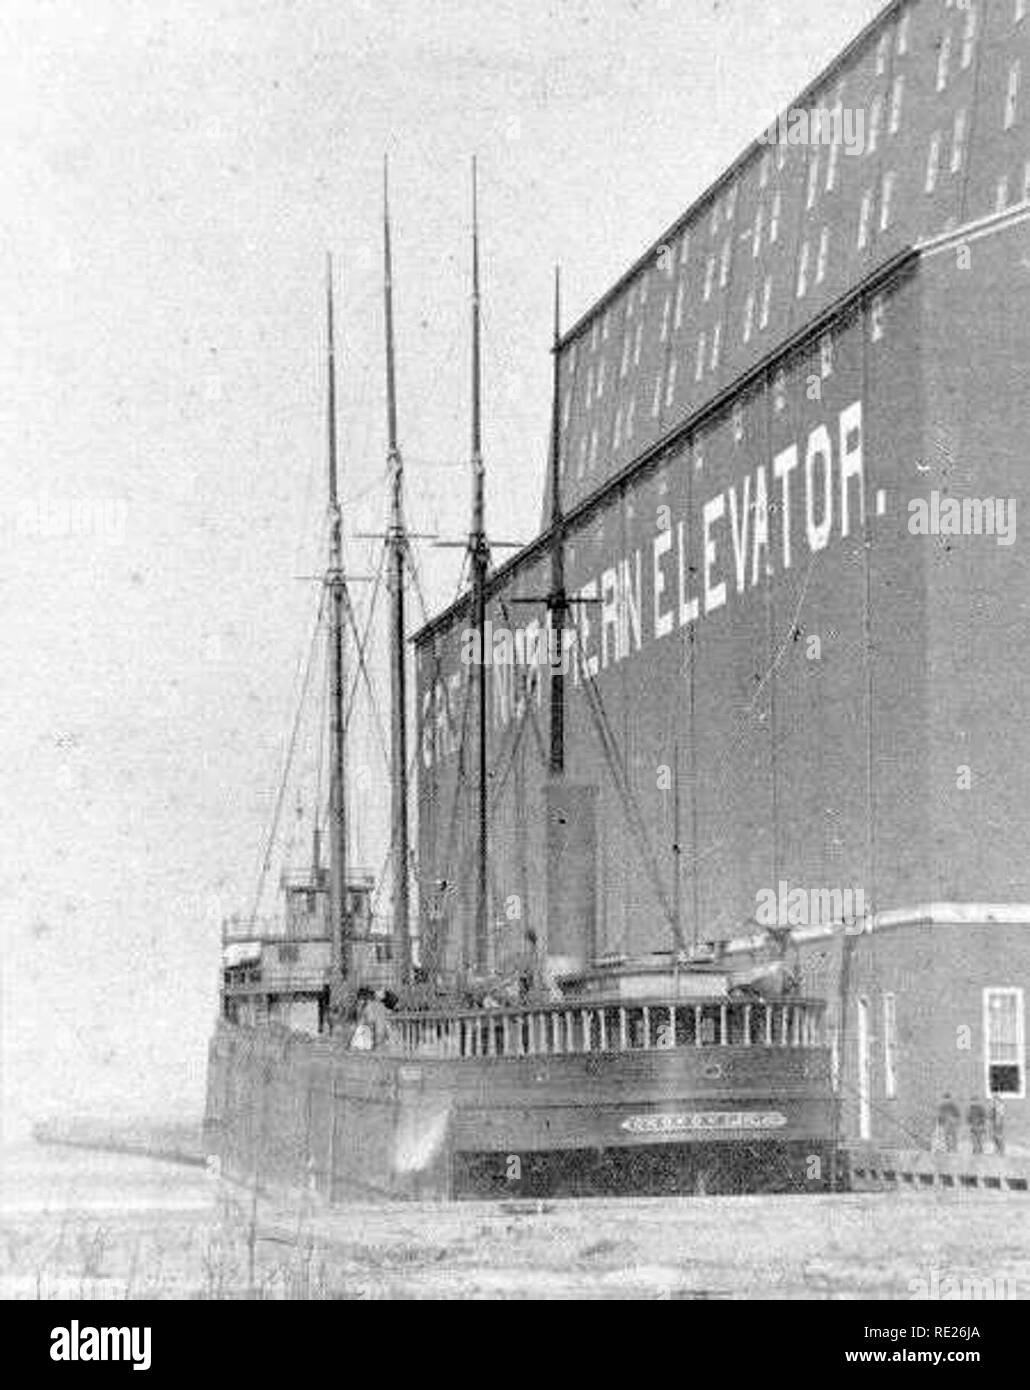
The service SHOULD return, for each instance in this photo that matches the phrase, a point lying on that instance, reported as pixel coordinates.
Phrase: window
(864, 217)
(593, 336)
(617, 431)
(289, 953)
(958, 142)
(681, 290)
(944, 61)
(656, 399)
(724, 268)
(763, 172)
(590, 385)
(890, 1046)
(813, 181)
(1001, 202)
(826, 356)
(716, 344)
(969, 37)
(878, 313)
(1004, 1043)
(763, 321)
(774, 224)
(881, 54)
(1026, 181)
(731, 204)
(1020, 11)
(802, 285)
(600, 378)
(666, 311)
(631, 417)
(933, 162)
(670, 386)
(780, 392)
(1012, 96)
(699, 367)
(837, 141)
(749, 316)
(709, 277)
(875, 122)
(903, 29)
(824, 252)
(685, 248)
(897, 98)
(756, 239)
(885, 202)
(636, 345)
(606, 324)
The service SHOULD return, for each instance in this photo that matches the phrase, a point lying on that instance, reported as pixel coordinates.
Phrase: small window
(933, 162)
(944, 61)
(877, 316)
(716, 344)
(864, 219)
(958, 141)
(763, 321)
(1012, 96)
(890, 1045)
(724, 268)
(875, 122)
(824, 253)
(1004, 1043)
(670, 386)
(681, 290)
(897, 100)
(802, 285)
(903, 29)
(826, 356)
(969, 37)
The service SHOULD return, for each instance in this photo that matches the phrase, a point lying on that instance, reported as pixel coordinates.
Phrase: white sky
(173, 174)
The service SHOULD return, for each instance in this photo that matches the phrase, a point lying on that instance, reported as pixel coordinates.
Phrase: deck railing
(564, 1029)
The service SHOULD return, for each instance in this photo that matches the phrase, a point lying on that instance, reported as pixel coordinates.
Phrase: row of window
(1004, 1043)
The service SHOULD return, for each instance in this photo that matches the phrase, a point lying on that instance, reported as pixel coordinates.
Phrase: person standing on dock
(976, 1119)
(997, 1124)
(948, 1119)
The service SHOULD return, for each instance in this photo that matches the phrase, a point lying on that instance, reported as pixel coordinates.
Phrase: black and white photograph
(516, 749)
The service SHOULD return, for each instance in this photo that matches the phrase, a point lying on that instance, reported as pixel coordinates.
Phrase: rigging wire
(266, 859)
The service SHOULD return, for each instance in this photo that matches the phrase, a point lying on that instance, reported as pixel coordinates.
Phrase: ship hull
(290, 1110)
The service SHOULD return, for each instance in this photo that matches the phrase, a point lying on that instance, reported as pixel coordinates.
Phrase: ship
(346, 1062)
(720, 874)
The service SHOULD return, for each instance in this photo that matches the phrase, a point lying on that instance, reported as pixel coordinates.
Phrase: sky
(173, 175)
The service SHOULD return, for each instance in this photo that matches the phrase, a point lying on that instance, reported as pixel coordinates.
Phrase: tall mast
(397, 547)
(479, 555)
(338, 596)
(557, 602)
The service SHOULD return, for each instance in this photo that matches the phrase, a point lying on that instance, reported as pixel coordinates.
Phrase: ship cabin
(277, 970)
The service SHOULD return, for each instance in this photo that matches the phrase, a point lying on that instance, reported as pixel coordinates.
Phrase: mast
(340, 949)
(479, 555)
(397, 547)
(557, 602)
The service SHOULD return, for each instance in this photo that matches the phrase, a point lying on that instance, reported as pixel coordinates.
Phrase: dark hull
(290, 1110)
